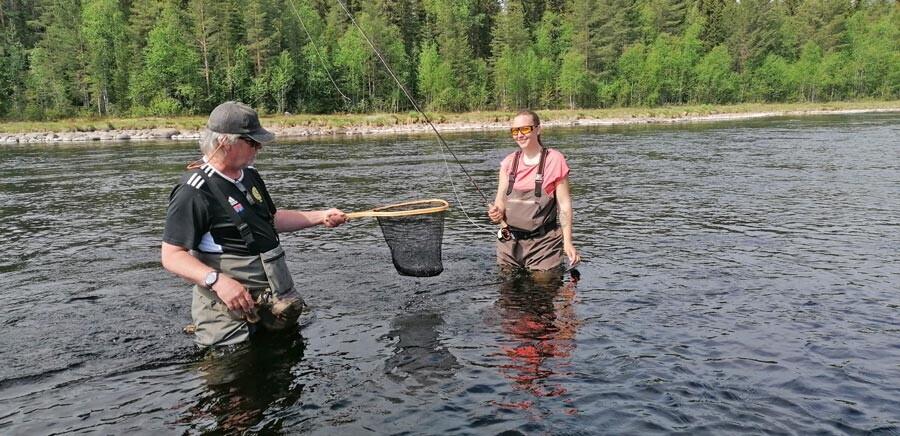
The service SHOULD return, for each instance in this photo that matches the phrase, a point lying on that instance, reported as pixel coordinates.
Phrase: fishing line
(318, 55)
(427, 119)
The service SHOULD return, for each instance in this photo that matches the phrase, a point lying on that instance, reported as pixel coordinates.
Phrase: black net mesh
(414, 240)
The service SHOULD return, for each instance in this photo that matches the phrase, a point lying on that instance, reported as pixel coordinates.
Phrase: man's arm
(293, 220)
(179, 261)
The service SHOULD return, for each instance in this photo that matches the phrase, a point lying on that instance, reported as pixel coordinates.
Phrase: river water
(739, 277)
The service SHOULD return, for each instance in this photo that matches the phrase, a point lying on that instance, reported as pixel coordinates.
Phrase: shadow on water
(247, 386)
(418, 351)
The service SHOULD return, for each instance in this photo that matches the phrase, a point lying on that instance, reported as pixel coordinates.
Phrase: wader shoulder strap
(512, 172)
(243, 228)
(539, 178)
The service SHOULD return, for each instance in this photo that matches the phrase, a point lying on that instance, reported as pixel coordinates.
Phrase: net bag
(413, 232)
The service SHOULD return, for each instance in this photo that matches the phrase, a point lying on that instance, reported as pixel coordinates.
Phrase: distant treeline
(62, 58)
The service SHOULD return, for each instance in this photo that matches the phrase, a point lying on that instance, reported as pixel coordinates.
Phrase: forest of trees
(63, 58)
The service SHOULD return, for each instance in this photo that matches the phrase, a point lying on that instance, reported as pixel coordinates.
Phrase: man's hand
(233, 294)
(334, 218)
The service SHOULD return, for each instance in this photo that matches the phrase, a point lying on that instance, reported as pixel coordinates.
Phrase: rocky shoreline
(172, 134)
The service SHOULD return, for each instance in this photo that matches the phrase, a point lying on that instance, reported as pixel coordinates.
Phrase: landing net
(413, 231)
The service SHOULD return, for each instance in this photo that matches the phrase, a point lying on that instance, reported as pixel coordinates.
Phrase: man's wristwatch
(211, 279)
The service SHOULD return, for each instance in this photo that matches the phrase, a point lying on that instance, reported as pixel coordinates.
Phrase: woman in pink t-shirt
(533, 202)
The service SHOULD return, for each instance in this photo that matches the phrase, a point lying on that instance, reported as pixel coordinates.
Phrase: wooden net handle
(381, 212)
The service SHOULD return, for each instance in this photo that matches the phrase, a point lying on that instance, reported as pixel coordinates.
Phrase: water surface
(738, 278)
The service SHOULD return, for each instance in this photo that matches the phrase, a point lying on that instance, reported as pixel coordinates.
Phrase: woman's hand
(572, 254)
(495, 213)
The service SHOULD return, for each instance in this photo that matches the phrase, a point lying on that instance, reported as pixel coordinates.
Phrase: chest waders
(532, 238)
(266, 276)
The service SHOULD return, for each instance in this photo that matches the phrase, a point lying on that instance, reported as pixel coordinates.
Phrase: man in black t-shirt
(222, 234)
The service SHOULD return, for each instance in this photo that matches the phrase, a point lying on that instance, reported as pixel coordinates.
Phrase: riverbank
(299, 126)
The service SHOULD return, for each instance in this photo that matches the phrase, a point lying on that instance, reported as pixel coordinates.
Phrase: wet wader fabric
(266, 276)
(532, 218)
(270, 285)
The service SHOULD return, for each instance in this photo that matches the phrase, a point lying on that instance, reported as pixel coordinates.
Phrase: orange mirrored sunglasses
(523, 130)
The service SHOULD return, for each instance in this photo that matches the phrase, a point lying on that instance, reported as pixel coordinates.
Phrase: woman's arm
(564, 200)
(497, 210)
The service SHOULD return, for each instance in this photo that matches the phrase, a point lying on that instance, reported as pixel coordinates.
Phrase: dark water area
(739, 278)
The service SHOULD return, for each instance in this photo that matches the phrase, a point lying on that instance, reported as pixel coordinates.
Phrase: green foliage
(169, 74)
(574, 79)
(769, 82)
(104, 30)
(754, 25)
(282, 79)
(108, 57)
(56, 83)
(715, 81)
(13, 67)
(513, 59)
(434, 79)
(804, 77)
(365, 78)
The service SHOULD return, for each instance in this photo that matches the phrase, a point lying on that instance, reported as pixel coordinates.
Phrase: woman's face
(526, 140)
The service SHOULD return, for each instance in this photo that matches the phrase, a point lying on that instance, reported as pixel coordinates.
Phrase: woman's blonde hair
(534, 117)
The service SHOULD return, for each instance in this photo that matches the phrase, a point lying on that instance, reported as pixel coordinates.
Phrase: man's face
(243, 152)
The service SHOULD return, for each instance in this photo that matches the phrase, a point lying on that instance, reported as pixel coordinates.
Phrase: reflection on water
(537, 313)
(247, 386)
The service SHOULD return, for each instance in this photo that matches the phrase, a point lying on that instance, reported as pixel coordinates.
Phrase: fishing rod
(411, 100)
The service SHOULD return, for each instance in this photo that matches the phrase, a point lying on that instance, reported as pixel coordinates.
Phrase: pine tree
(365, 76)
(754, 25)
(205, 28)
(141, 19)
(56, 84)
(259, 34)
(13, 67)
(104, 29)
(512, 58)
(715, 26)
(168, 82)
(617, 28)
(823, 22)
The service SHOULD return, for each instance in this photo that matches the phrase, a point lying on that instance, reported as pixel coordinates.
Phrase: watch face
(211, 278)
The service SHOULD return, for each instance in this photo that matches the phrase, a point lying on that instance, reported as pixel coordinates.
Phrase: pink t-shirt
(555, 169)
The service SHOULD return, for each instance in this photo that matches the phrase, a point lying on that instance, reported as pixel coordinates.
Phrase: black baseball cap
(239, 119)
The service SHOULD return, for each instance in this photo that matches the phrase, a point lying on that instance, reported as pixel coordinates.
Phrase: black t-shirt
(196, 220)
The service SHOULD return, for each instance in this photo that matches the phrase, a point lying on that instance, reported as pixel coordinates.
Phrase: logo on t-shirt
(235, 205)
(256, 194)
